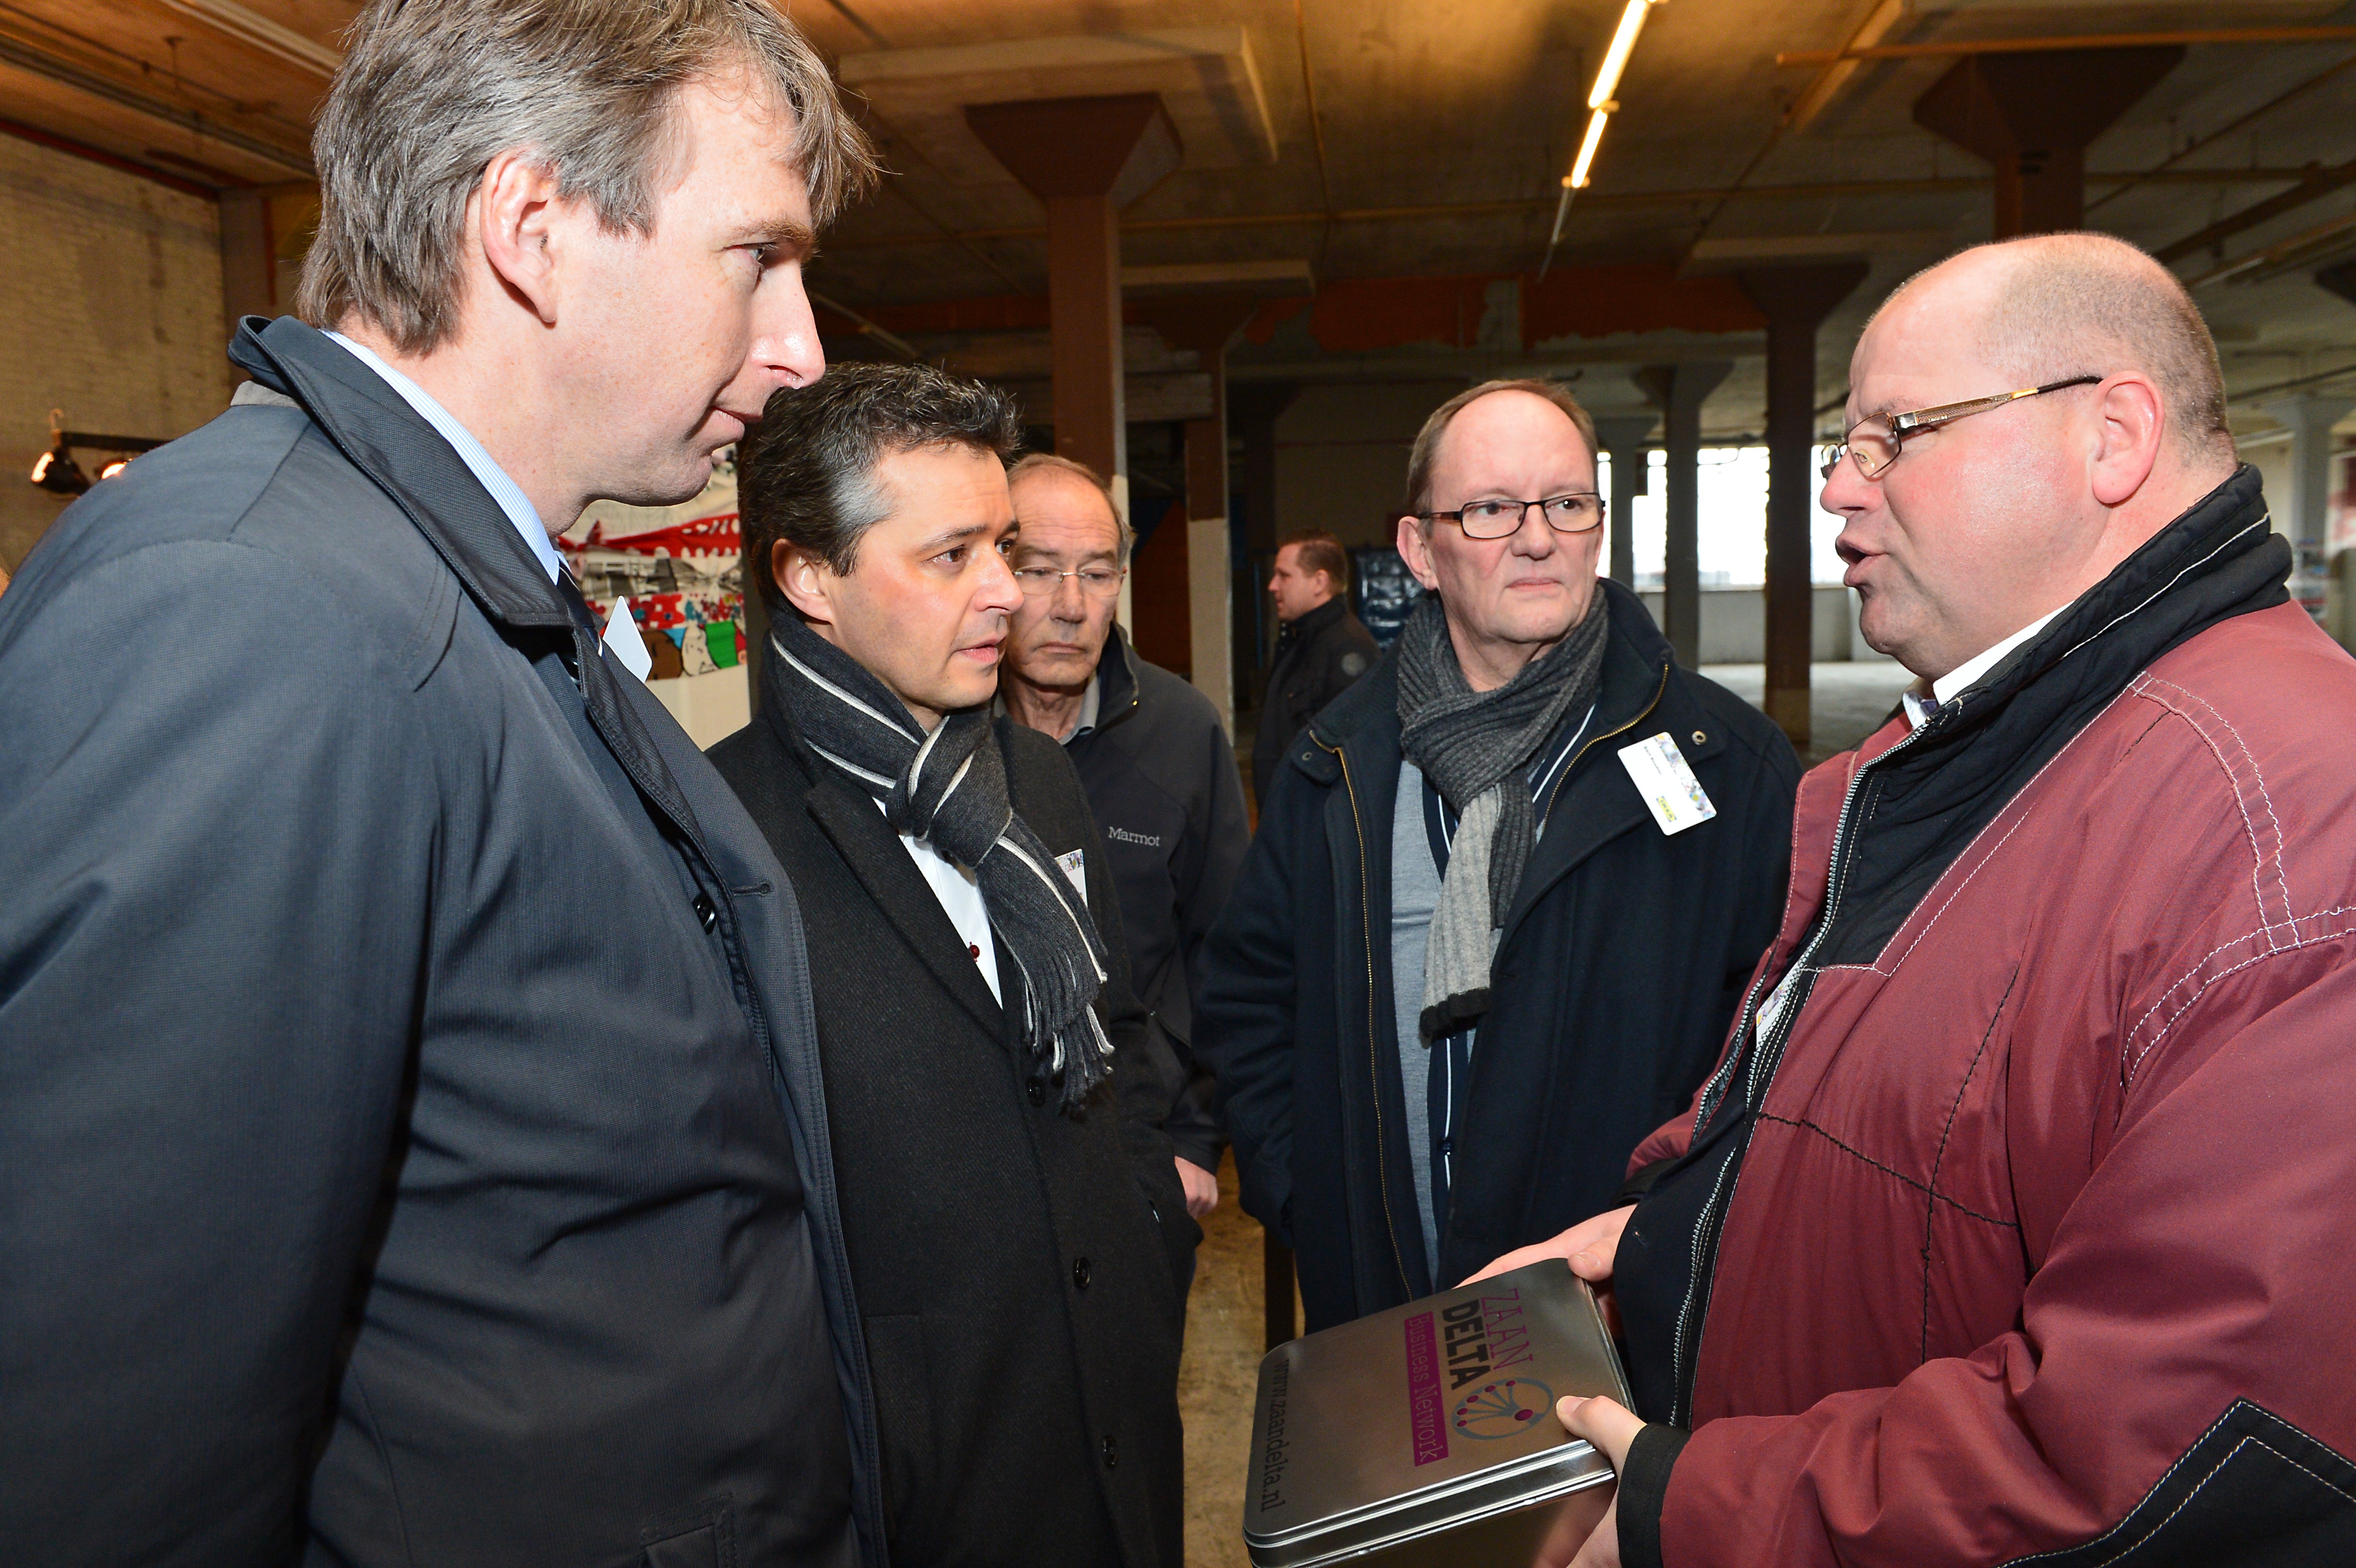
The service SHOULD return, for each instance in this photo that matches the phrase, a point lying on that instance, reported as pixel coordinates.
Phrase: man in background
(1015, 1225)
(1505, 893)
(2014, 1225)
(415, 1148)
(1159, 773)
(1322, 649)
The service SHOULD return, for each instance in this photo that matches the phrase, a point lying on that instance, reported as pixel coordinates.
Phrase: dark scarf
(949, 788)
(1475, 747)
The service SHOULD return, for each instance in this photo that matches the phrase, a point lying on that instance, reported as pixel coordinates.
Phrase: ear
(1415, 548)
(807, 582)
(2127, 437)
(516, 215)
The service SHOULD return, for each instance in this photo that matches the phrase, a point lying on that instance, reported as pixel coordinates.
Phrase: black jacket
(1162, 780)
(1318, 657)
(1018, 1303)
(411, 1114)
(1617, 966)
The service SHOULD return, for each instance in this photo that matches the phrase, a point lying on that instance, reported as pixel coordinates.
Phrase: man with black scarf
(1014, 1229)
(1505, 893)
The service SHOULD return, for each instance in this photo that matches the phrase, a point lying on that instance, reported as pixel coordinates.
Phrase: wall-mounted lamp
(57, 472)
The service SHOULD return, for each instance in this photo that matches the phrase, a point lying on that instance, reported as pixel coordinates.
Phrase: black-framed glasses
(1501, 518)
(1876, 441)
(1096, 582)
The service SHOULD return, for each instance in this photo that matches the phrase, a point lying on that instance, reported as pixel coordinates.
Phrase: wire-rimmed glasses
(1096, 582)
(1876, 441)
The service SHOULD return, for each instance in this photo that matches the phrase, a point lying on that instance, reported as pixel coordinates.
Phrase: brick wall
(110, 308)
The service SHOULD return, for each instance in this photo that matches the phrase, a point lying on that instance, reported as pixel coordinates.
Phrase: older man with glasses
(1505, 893)
(1158, 768)
(2013, 1225)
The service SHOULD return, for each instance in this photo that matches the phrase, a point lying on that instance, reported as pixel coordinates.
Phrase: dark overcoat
(413, 1148)
(1318, 657)
(1016, 1264)
(1618, 965)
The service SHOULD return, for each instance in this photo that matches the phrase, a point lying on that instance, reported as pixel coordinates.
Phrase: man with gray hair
(417, 1147)
(2013, 1224)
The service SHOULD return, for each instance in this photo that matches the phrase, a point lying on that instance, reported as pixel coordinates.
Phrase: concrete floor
(1224, 1323)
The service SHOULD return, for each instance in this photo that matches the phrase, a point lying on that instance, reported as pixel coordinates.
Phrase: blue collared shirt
(479, 462)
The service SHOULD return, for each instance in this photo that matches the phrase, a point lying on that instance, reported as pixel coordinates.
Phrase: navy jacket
(415, 1146)
(1162, 780)
(1617, 969)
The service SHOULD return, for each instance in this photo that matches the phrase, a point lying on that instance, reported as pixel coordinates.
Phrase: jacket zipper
(1572, 766)
(1374, 1069)
(1765, 1056)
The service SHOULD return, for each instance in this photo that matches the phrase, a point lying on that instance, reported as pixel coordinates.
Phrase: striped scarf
(949, 789)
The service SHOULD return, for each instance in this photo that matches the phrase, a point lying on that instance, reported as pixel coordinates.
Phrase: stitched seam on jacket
(2148, 1536)
(2144, 685)
(2282, 882)
(2175, 1464)
(2272, 951)
(1918, 1186)
(1875, 967)
(1929, 1210)
(2071, 745)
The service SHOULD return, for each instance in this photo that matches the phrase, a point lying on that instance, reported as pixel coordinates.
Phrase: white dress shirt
(960, 897)
(1964, 675)
(471, 452)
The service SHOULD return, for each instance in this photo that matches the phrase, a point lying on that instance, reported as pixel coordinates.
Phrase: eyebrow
(784, 233)
(949, 537)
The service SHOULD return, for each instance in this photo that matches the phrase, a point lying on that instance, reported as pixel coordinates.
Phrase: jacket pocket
(704, 1537)
(904, 1419)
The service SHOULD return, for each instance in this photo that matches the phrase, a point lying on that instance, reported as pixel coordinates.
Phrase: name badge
(1075, 866)
(622, 640)
(1671, 792)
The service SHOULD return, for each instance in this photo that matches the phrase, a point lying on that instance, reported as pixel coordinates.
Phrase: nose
(997, 590)
(1068, 602)
(1847, 489)
(1535, 537)
(785, 351)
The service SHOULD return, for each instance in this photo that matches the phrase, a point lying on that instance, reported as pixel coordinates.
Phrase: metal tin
(1426, 1435)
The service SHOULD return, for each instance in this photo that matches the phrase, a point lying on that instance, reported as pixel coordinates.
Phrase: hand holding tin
(1610, 1428)
(1589, 1247)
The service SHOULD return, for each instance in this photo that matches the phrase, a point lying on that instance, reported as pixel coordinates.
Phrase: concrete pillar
(1204, 325)
(1796, 301)
(1679, 389)
(2031, 116)
(1085, 159)
(1623, 436)
(249, 259)
(2307, 510)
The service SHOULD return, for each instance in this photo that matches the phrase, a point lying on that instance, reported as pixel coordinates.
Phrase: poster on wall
(680, 568)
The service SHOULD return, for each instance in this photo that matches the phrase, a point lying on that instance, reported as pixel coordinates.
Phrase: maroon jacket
(2030, 1226)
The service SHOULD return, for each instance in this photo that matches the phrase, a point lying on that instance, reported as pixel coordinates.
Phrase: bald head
(2048, 307)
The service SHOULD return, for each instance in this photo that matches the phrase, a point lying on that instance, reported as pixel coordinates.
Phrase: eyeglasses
(1876, 441)
(1096, 582)
(1502, 518)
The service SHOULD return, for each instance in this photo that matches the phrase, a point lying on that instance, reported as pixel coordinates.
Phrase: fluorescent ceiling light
(1615, 58)
(1587, 148)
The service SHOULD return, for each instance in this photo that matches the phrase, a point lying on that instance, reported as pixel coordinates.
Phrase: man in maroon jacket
(2017, 1221)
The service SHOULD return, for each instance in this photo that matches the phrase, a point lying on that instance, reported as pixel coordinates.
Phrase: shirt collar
(1920, 705)
(478, 459)
(1091, 708)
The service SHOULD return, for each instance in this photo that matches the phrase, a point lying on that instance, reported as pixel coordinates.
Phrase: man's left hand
(1612, 1428)
(1202, 1187)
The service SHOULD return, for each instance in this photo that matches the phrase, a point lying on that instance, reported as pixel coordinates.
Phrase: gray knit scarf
(1476, 748)
(949, 789)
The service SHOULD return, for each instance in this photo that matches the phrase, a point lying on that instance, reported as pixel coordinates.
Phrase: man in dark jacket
(1155, 762)
(2014, 1226)
(1321, 649)
(1014, 1233)
(416, 1150)
(1505, 893)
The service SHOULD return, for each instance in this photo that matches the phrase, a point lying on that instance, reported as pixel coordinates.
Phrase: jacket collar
(1302, 627)
(1117, 687)
(409, 461)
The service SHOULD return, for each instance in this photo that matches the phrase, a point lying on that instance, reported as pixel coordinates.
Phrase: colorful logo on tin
(1503, 1408)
